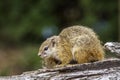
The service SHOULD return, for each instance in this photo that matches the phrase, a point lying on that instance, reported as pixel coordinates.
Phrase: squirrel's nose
(39, 54)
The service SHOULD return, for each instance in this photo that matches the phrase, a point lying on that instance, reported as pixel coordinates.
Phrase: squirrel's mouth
(42, 55)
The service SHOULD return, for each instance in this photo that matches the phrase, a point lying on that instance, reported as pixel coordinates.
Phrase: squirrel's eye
(46, 48)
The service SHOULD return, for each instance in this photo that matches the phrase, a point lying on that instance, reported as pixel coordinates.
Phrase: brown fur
(77, 43)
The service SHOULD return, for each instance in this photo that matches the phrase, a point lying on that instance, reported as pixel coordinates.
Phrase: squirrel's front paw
(59, 66)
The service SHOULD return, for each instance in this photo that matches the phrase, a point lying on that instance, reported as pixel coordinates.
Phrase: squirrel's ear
(53, 42)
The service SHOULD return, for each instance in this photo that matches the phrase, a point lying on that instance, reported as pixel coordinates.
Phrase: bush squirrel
(75, 43)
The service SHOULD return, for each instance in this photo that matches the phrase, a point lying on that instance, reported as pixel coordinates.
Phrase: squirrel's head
(49, 47)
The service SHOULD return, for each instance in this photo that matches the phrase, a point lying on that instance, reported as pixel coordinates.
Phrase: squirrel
(77, 44)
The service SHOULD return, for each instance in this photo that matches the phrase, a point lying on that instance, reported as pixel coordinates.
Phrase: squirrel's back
(71, 34)
(75, 31)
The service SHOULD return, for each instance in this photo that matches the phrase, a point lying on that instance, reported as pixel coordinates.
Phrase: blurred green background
(25, 24)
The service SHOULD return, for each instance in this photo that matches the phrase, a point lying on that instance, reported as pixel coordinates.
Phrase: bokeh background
(25, 24)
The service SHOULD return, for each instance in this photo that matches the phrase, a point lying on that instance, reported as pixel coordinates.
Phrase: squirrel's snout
(39, 54)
